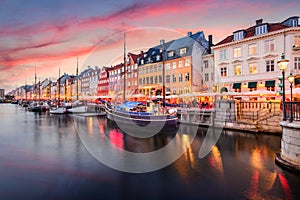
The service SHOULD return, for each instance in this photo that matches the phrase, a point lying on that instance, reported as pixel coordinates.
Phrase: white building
(247, 60)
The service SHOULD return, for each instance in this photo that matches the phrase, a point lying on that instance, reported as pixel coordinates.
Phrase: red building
(103, 82)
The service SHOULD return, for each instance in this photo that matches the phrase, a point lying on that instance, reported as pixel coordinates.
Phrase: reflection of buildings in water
(89, 123)
(263, 180)
(116, 138)
(186, 162)
(215, 159)
(285, 186)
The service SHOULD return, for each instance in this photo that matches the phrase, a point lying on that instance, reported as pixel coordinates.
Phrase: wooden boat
(129, 112)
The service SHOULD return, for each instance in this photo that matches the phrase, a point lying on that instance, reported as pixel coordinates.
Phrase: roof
(189, 42)
(250, 32)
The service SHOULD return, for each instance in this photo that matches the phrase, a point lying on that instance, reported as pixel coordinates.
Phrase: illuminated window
(182, 51)
(171, 54)
(252, 49)
(223, 71)
(252, 68)
(174, 65)
(237, 69)
(297, 41)
(237, 52)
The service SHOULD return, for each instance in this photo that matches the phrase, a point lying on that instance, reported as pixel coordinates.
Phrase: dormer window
(158, 58)
(171, 54)
(262, 29)
(294, 22)
(239, 35)
(183, 51)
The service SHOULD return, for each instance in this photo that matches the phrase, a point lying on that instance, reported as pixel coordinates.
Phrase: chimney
(259, 21)
(210, 44)
(189, 34)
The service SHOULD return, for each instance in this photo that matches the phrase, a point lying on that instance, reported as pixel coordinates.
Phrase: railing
(257, 110)
(292, 111)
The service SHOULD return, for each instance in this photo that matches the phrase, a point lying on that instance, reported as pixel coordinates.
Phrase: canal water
(65, 157)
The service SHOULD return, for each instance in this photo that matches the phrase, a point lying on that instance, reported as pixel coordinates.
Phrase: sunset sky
(49, 34)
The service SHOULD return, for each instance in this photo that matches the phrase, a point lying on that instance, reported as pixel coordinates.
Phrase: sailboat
(35, 105)
(79, 106)
(58, 109)
(139, 113)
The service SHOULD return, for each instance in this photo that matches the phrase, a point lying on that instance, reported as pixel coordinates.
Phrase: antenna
(77, 78)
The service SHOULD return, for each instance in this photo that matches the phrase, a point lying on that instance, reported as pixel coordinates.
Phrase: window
(182, 51)
(212, 76)
(171, 54)
(168, 66)
(270, 65)
(187, 76)
(168, 79)
(155, 68)
(158, 58)
(147, 80)
(252, 68)
(160, 79)
(151, 79)
(297, 62)
(238, 35)
(294, 22)
(180, 78)
(151, 69)
(205, 64)
(237, 52)
(206, 77)
(174, 65)
(237, 69)
(223, 71)
(297, 41)
(180, 64)
(223, 54)
(269, 45)
(155, 79)
(187, 62)
(252, 49)
(174, 78)
(261, 29)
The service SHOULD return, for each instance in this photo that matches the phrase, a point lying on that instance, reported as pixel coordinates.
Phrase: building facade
(247, 60)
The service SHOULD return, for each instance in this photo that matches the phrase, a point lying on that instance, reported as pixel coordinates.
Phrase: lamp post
(291, 79)
(162, 42)
(282, 66)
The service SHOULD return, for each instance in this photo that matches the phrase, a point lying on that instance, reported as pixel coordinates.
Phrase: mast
(59, 87)
(25, 88)
(77, 78)
(35, 82)
(39, 89)
(162, 42)
(125, 65)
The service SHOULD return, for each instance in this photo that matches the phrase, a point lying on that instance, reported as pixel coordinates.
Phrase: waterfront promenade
(47, 157)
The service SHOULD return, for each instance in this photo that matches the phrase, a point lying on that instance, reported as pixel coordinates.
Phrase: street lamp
(282, 66)
(291, 79)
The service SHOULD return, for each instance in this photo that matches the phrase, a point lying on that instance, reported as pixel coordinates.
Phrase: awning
(270, 83)
(236, 85)
(224, 89)
(297, 81)
(252, 84)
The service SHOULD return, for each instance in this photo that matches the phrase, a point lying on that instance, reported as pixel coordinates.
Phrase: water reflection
(41, 152)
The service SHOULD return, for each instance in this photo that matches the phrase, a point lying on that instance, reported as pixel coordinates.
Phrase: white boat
(58, 110)
(79, 106)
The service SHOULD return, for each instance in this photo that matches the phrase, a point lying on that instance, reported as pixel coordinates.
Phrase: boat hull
(142, 119)
(58, 111)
